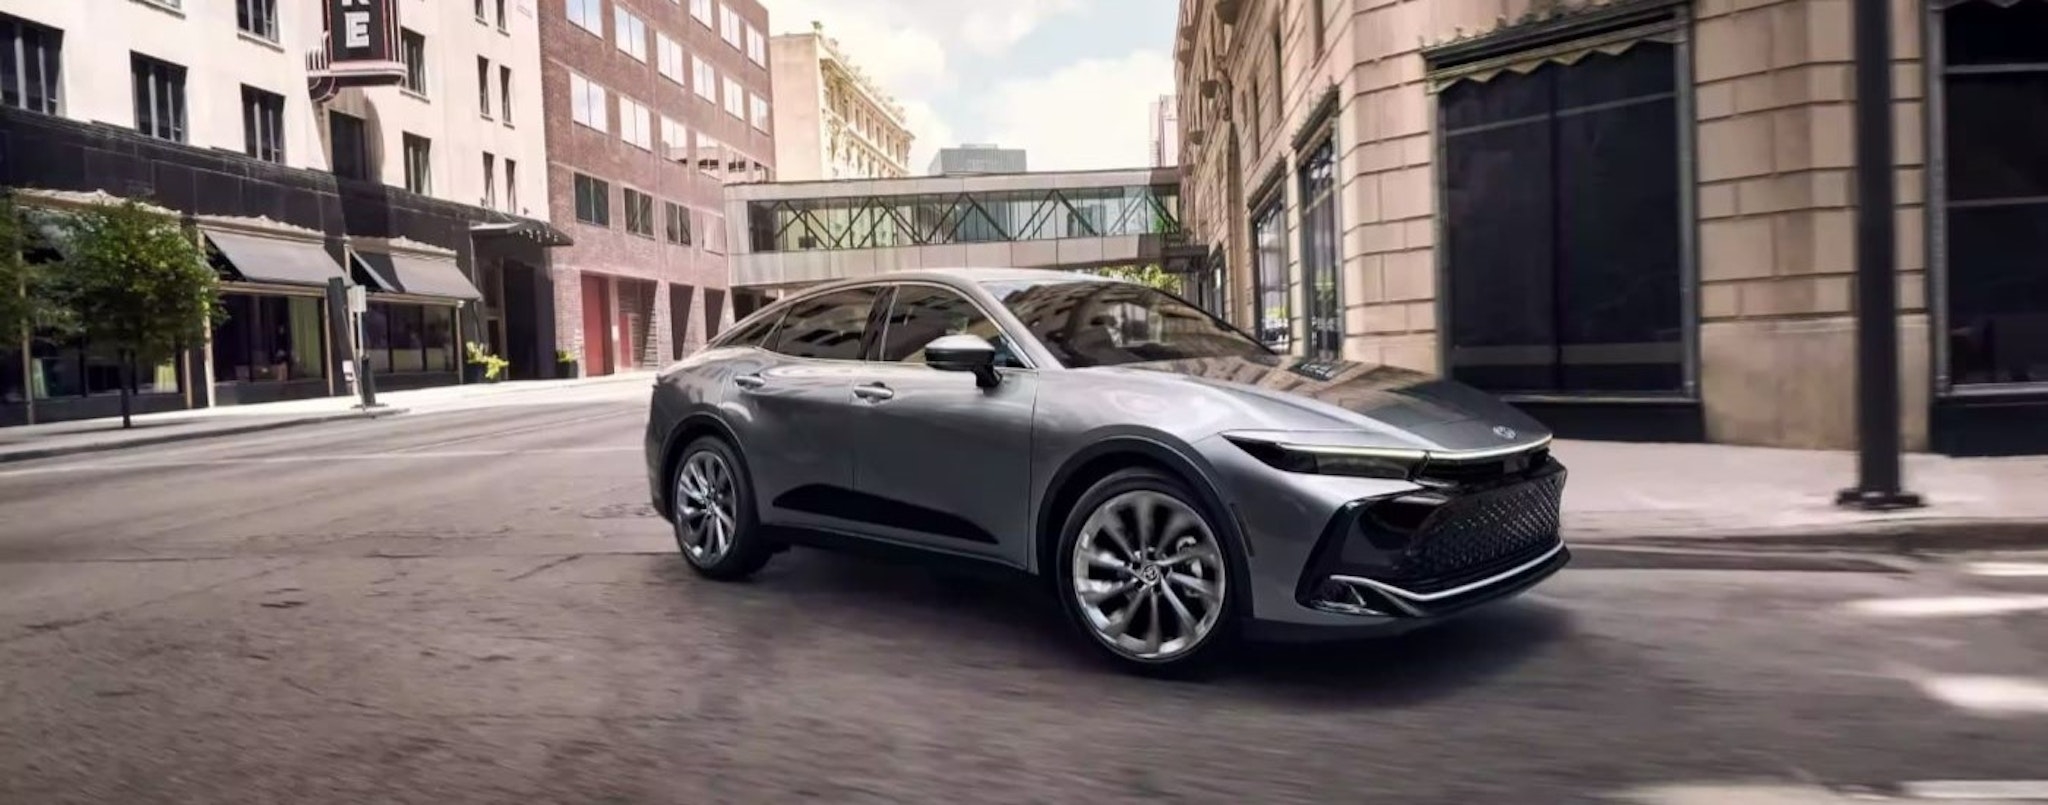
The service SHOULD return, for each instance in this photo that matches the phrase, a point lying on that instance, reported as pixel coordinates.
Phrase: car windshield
(1097, 323)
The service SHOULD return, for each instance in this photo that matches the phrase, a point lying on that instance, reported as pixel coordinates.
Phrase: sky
(1069, 81)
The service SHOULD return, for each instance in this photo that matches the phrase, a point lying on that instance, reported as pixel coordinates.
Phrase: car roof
(967, 274)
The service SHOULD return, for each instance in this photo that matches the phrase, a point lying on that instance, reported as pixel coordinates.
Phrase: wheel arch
(687, 429)
(1098, 461)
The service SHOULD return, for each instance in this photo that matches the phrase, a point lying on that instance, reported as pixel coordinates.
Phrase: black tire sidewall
(1219, 639)
(748, 551)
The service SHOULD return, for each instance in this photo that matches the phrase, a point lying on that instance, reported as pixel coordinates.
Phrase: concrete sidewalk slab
(1763, 498)
(102, 438)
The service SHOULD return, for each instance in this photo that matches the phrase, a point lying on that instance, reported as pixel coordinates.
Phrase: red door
(597, 325)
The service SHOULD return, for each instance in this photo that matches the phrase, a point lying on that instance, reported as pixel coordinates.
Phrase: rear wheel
(714, 519)
(1144, 573)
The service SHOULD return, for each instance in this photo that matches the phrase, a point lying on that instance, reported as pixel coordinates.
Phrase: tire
(1157, 597)
(715, 525)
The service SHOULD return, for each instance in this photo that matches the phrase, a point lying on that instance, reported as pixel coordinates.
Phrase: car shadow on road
(1018, 621)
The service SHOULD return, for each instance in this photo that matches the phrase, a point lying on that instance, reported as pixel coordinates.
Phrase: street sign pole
(1877, 308)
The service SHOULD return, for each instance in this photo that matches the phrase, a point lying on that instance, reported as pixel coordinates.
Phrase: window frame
(591, 16)
(1325, 141)
(675, 220)
(361, 155)
(734, 98)
(1271, 205)
(261, 110)
(505, 93)
(635, 118)
(419, 163)
(772, 342)
(261, 14)
(483, 87)
(664, 47)
(416, 79)
(26, 38)
(579, 103)
(601, 200)
(157, 74)
(874, 351)
(704, 78)
(629, 34)
(490, 180)
(628, 195)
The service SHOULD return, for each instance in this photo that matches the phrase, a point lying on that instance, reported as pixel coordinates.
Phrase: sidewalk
(1694, 496)
(27, 442)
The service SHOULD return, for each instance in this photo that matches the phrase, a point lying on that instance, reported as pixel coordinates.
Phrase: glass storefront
(402, 338)
(69, 368)
(270, 339)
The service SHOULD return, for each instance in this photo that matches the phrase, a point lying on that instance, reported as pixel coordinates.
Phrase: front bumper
(1393, 560)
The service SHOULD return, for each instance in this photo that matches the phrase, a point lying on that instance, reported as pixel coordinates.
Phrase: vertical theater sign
(360, 48)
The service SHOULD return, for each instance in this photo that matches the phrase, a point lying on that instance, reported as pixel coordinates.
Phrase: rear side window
(830, 326)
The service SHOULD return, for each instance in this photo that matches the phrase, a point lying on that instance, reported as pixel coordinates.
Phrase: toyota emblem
(1504, 431)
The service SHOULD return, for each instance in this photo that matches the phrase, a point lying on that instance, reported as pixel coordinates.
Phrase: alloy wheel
(705, 510)
(1149, 576)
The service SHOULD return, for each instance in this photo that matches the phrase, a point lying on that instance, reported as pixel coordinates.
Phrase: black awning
(417, 275)
(276, 260)
(539, 232)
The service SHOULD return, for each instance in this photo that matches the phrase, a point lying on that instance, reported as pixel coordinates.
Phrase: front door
(939, 461)
(597, 325)
(794, 412)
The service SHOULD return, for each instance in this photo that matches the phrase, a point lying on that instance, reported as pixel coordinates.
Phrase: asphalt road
(477, 606)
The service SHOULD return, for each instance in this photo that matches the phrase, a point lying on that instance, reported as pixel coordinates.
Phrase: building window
(490, 180)
(269, 339)
(706, 78)
(593, 201)
(1272, 316)
(1994, 217)
(31, 62)
(710, 155)
(678, 222)
(701, 9)
(1562, 243)
(639, 212)
(505, 94)
(728, 25)
(407, 338)
(159, 97)
(257, 17)
(634, 125)
(588, 15)
(263, 124)
(760, 111)
(479, 10)
(413, 51)
(631, 34)
(1325, 310)
(668, 55)
(675, 140)
(483, 86)
(757, 46)
(587, 103)
(349, 146)
(512, 186)
(419, 164)
(501, 16)
(735, 99)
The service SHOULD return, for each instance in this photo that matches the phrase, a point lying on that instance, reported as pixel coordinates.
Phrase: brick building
(1632, 217)
(652, 106)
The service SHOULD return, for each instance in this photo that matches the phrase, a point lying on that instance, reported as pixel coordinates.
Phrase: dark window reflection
(1272, 316)
(829, 327)
(922, 314)
(270, 338)
(1562, 223)
(1093, 323)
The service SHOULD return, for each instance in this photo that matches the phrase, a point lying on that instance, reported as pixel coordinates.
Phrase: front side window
(413, 51)
(159, 97)
(1319, 252)
(828, 327)
(1099, 323)
(1272, 318)
(263, 124)
(922, 314)
(31, 61)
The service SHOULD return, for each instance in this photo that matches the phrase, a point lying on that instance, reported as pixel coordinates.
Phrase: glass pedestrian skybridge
(797, 233)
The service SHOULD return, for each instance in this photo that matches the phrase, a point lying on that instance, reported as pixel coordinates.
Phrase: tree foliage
(136, 282)
(21, 288)
(1150, 275)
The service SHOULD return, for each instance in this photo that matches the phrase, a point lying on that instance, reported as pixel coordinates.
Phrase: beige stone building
(832, 121)
(1633, 217)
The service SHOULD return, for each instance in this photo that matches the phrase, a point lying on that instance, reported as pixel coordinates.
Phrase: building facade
(652, 107)
(831, 120)
(971, 159)
(1632, 217)
(1165, 133)
(208, 112)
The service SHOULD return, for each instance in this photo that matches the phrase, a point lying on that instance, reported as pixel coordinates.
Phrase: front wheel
(1144, 573)
(714, 519)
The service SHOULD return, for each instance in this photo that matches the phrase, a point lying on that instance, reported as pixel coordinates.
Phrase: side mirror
(963, 352)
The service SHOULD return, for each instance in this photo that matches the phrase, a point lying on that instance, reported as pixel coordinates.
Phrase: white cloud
(930, 132)
(1087, 115)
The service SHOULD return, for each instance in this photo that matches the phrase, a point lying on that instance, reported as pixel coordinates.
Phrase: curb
(1933, 535)
(32, 453)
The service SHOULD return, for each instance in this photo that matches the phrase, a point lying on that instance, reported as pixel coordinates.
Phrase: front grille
(1473, 536)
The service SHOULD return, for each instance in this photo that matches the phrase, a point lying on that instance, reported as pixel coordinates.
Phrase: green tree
(1150, 274)
(21, 291)
(138, 283)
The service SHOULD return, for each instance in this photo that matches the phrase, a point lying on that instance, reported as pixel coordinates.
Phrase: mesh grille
(1478, 535)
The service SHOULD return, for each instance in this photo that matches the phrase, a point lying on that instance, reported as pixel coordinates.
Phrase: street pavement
(477, 606)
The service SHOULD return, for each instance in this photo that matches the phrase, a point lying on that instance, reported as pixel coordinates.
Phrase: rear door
(941, 462)
(794, 410)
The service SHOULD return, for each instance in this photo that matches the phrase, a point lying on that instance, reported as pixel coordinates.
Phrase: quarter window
(922, 314)
(828, 327)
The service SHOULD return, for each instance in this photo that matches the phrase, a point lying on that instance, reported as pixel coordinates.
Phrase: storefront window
(405, 338)
(1271, 318)
(61, 368)
(269, 339)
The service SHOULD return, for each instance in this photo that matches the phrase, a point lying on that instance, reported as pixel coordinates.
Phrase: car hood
(1409, 406)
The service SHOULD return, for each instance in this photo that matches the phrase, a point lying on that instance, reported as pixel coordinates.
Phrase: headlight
(1361, 462)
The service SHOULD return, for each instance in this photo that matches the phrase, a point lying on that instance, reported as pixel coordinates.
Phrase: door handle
(874, 392)
(749, 381)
